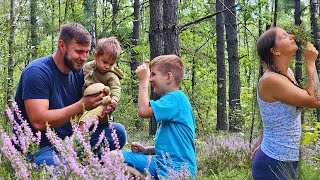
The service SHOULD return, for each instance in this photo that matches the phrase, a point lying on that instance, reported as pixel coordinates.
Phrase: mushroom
(96, 112)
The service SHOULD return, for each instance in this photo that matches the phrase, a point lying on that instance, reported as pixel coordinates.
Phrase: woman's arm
(276, 87)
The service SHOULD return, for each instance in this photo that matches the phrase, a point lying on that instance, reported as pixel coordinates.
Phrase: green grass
(309, 171)
(6, 172)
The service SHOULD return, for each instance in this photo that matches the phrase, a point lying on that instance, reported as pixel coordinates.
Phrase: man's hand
(92, 101)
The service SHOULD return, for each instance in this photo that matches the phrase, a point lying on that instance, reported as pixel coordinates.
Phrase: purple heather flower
(18, 162)
(101, 137)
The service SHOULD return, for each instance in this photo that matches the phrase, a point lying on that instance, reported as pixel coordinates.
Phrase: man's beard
(69, 63)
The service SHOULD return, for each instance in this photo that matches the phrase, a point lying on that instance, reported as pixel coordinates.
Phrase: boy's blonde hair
(110, 46)
(169, 63)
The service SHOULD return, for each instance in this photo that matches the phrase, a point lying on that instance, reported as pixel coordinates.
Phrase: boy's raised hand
(143, 72)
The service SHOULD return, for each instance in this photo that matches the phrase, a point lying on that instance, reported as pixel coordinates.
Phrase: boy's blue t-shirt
(176, 131)
(42, 79)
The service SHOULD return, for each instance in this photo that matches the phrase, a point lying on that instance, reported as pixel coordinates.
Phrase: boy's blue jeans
(142, 162)
(46, 153)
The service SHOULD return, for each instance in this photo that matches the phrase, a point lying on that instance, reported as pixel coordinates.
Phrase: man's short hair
(75, 31)
(170, 63)
(110, 46)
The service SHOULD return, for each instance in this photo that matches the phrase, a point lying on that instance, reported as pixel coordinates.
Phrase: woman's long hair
(264, 44)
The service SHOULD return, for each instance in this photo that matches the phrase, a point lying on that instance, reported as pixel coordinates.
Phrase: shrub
(74, 157)
(223, 153)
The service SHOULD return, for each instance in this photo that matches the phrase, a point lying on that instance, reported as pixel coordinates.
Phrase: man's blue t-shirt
(42, 79)
(176, 131)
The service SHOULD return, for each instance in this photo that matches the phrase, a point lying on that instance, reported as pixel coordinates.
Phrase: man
(49, 91)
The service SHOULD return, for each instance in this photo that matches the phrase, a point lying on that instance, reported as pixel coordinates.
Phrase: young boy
(102, 70)
(174, 140)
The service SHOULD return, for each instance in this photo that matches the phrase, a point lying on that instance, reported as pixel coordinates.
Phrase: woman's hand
(310, 53)
(253, 153)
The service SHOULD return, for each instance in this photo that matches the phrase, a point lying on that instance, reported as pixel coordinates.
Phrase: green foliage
(309, 171)
(310, 133)
(127, 115)
(6, 171)
(303, 36)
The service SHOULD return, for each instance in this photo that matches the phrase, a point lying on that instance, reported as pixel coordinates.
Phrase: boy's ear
(95, 55)
(169, 76)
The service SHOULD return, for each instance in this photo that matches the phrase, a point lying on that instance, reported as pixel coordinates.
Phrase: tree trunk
(298, 64)
(66, 11)
(73, 10)
(193, 76)
(260, 32)
(33, 28)
(94, 23)
(115, 7)
(89, 9)
(59, 7)
(156, 43)
(297, 22)
(221, 71)
(135, 36)
(275, 13)
(170, 27)
(134, 54)
(156, 28)
(314, 9)
(52, 25)
(9, 93)
(234, 74)
(104, 16)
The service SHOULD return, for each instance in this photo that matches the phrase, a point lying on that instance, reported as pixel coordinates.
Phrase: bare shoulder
(271, 84)
(268, 81)
(274, 80)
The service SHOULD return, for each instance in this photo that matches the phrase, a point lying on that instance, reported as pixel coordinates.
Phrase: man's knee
(121, 133)
(44, 155)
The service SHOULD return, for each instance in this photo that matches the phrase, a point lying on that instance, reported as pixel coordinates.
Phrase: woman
(280, 99)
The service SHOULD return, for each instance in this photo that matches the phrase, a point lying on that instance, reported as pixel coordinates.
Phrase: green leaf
(308, 137)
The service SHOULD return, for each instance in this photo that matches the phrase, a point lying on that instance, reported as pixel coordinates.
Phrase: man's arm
(39, 113)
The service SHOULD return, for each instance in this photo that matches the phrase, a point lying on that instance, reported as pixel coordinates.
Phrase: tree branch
(185, 26)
